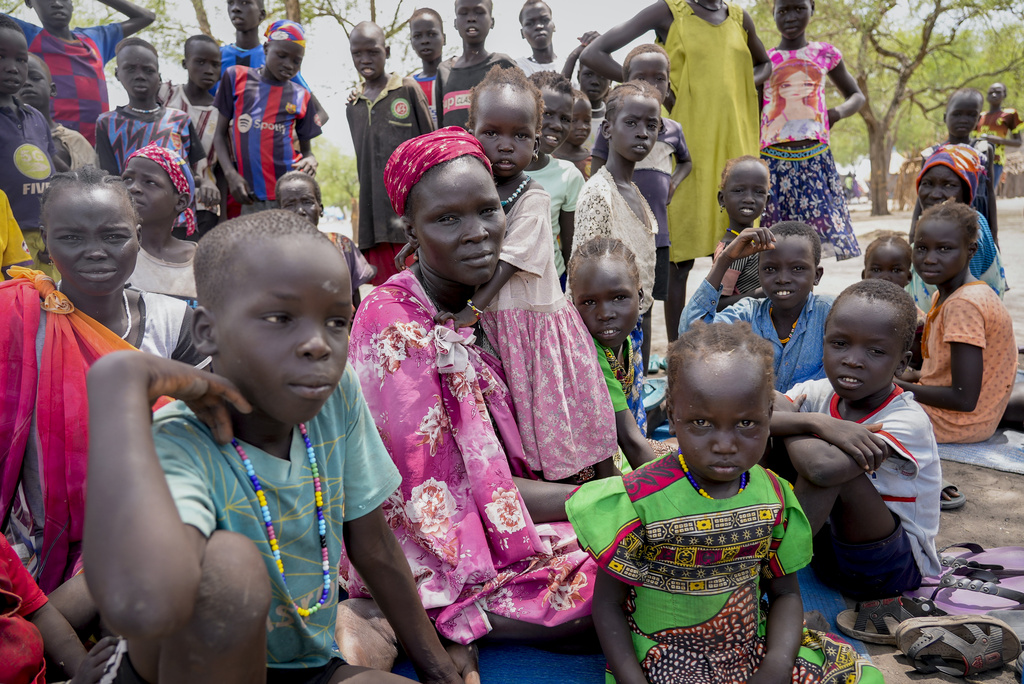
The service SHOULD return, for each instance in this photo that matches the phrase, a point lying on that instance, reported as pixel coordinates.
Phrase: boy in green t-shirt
(213, 537)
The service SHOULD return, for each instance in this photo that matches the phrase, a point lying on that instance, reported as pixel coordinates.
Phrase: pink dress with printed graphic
(794, 97)
(444, 414)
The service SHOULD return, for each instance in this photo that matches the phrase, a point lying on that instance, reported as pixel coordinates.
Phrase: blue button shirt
(798, 360)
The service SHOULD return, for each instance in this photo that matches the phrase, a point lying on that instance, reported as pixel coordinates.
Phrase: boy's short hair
(299, 176)
(498, 78)
(88, 176)
(136, 42)
(963, 216)
(199, 38)
(878, 290)
(216, 261)
(628, 89)
(428, 12)
(785, 229)
(645, 49)
(967, 92)
(8, 23)
(704, 340)
(890, 238)
(579, 95)
(733, 163)
(531, 3)
(552, 80)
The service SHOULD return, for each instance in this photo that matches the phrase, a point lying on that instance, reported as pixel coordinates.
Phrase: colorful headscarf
(415, 157)
(963, 160)
(178, 171)
(282, 29)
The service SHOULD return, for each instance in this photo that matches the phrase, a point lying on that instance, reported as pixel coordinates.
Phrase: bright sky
(328, 66)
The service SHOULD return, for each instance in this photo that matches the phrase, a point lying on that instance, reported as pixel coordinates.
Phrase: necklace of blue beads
(275, 547)
(744, 478)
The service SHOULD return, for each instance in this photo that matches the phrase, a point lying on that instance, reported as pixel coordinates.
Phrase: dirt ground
(994, 513)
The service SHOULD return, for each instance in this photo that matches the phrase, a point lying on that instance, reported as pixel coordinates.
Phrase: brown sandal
(957, 645)
(876, 621)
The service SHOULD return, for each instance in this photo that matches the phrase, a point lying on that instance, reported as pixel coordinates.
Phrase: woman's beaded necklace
(787, 338)
(624, 375)
(515, 195)
(269, 523)
(744, 478)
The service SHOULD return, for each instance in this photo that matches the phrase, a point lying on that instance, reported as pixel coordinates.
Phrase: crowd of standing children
(292, 483)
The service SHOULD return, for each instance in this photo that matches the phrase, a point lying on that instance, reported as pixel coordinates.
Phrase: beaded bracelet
(478, 312)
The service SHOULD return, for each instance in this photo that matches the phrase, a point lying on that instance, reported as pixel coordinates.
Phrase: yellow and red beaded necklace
(787, 338)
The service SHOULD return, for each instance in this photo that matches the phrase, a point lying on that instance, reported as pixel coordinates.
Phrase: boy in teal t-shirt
(213, 536)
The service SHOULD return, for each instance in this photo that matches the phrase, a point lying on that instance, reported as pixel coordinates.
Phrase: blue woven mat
(818, 596)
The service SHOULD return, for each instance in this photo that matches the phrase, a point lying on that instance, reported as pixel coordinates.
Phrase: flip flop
(957, 645)
(978, 592)
(876, 621)
(954, 502)
(1003, 561)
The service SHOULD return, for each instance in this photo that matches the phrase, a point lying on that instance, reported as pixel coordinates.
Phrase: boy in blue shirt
(213, 535)
(791, 316)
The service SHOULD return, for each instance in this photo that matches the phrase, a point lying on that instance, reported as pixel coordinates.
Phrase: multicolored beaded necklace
(792, 330)
(269, 523)
(744, 478)
(623, 375)
(515, 195)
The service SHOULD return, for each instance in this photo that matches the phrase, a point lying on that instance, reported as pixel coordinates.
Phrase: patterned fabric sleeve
(604, 519)
(829, 56)
(791, 537)
(528, 227)
(964, 323)
(106, 38)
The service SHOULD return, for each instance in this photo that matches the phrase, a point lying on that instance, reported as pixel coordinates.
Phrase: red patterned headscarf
(415, 157)
(282, 29)
(963, 160)
(178, 171)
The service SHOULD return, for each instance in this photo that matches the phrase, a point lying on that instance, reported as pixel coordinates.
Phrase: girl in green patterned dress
(700, 548)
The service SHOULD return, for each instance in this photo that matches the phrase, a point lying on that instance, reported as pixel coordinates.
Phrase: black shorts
(875, 570)
(661, 275)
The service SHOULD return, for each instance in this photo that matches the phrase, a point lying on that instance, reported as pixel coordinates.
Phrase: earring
(720, 208)
(536, 156)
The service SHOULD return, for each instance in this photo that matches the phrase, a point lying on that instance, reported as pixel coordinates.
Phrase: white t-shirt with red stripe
(910, 482)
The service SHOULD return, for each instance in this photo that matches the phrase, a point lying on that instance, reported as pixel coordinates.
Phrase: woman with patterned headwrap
(490, 547)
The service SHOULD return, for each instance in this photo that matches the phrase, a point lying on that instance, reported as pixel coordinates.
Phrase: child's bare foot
(466, 659)
(364, 635)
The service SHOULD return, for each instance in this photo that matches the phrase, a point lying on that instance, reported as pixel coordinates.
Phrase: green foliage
(337, 175)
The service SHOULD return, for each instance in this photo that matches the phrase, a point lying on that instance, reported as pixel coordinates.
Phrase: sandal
(876, 621)
(957, 645)
(954, 502)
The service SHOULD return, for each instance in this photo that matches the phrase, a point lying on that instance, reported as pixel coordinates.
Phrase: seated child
(575, 149)
(664, 612)
(473, 21)
(143, 120)
(209, 554)
(562, 410)
(605, 283)
(743, 193)
(70, 147)
(561, 179)
(299, 193)
(537, 28)
(952, 172)
(868, 473)
(160, 183)
(202, 63)
(426, 30)
(969, 349)
(658, 174)
(26, 145)
(34, 630)
(255, 102)
(790, 316)
(386, 111)
(611, 204)
(78, 55)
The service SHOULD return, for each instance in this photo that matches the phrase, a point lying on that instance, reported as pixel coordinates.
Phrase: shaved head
(36, 61)
(368, 29)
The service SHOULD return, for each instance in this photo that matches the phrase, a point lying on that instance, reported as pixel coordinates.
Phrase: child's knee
(234, 592)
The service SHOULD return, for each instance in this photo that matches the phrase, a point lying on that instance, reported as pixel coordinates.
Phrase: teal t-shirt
(564, 182)
(213, 492)
(614, 386)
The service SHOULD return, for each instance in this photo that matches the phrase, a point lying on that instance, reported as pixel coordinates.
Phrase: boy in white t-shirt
(863, 450)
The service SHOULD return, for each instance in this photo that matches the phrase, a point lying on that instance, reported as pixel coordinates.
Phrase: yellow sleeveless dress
(716, 103)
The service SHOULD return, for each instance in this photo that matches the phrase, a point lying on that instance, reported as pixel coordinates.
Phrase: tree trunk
(879, 154)
(202, 19)
(292, 12)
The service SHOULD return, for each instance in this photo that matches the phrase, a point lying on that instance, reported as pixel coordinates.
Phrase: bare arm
(634, 445)
(613, 630)
(376, 555)
(749, 241)
(762, 64)
(138, 17)
(783, 633)
(1012, 141)
(545, 501)
(993, 218)
(481, 299)
(598, 55)
(60, 642)
(308, 163)
(566, 229)
(967, 366)
(237, 185)
(847, 85)
(570, 62)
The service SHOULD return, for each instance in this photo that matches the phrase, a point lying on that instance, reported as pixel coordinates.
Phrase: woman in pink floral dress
(490, 547)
